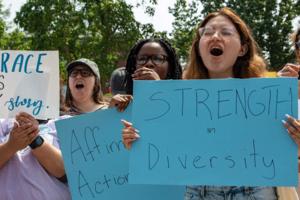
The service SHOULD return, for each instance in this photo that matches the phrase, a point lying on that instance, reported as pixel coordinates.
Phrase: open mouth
(216, 51)
(79, 86)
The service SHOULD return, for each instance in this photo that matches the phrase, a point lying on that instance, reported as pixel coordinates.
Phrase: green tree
(186, 18)
(270, 21)
(100, 30)
(15, 40)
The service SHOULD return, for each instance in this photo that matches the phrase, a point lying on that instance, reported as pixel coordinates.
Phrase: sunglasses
(82, 72)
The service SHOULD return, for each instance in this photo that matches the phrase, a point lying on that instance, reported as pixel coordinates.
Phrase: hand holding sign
(129, 134)
(293, 128)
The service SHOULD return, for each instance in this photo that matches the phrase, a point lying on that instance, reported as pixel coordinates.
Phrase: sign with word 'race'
(29, 82)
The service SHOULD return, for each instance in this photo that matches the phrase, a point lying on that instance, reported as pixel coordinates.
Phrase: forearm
(6, 153)
(50, 158)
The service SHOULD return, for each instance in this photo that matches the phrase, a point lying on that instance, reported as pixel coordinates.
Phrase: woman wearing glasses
(83, 93)
(223, 47)
(149, 59)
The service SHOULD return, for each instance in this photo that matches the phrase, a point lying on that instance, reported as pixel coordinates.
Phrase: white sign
(29, 82)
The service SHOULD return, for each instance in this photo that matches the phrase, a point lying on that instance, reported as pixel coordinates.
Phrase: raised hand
(21, 136)
(145, 73)
(120, 101)
(289, 70)
(293, 128)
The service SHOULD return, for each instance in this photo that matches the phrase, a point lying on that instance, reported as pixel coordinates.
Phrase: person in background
(117, 80)
(292, 70)
(119, 99)
(223, 47)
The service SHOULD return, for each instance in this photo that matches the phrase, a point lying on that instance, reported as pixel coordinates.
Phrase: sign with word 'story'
(214, 132)
(29, 82)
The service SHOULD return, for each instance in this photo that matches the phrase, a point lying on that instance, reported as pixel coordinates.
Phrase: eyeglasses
(82, 72)
(224, 32)
(156, 59)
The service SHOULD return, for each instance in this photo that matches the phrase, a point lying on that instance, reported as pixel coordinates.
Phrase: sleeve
(5, 127)
(49, 133)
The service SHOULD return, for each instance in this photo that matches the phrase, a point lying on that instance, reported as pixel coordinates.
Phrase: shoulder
(51, 123)
(103, 106)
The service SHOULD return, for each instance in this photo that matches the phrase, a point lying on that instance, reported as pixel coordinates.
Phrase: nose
(149, 64)
(216, 36)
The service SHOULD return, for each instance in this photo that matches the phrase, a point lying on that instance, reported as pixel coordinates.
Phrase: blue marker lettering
(39, 63)
(4, 59)
(1, 85)
(25, 102)
(19, 61)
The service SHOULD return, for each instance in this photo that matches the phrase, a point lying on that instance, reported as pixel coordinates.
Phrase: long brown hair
(97, 93)
(246, 66)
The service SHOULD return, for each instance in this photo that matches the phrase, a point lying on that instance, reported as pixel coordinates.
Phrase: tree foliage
(186, 18)
(100, 30)
(105, 30)
(270, 21)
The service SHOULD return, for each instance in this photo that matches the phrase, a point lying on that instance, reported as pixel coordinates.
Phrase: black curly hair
(175, 70)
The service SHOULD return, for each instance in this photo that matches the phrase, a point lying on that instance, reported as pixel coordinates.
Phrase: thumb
(126, 123)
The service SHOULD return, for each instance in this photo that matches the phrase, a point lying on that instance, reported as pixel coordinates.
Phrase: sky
(162, 20)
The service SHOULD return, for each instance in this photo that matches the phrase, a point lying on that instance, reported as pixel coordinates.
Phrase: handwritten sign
(214, 132)
(29, 81)
(97, 162)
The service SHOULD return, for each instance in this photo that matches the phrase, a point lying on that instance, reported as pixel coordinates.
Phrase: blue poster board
(96, 161)
(214, 132)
